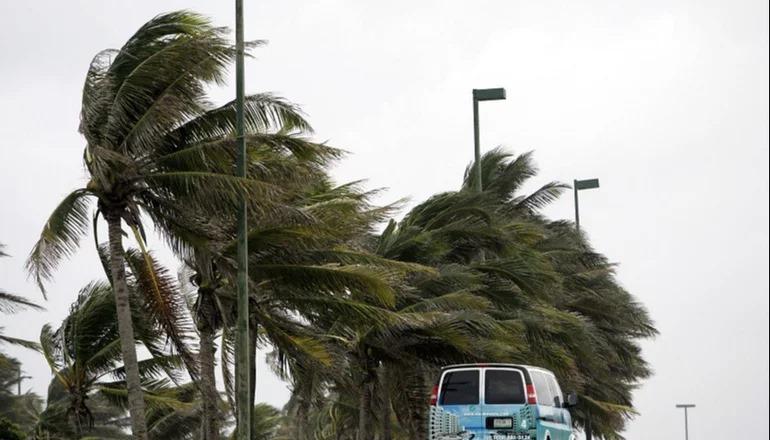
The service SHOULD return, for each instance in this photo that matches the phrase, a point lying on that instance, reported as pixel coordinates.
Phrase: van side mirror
(572, 399)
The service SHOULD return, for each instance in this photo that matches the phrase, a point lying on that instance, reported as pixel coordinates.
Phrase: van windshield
(504, 387)
(460, 388)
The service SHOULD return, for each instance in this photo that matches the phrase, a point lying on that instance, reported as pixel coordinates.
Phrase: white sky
(665, 101)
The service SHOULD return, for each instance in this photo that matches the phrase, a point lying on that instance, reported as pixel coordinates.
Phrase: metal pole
(685, 407)
(589, 431)
(476, 145)
(577, 208)
(242, 333)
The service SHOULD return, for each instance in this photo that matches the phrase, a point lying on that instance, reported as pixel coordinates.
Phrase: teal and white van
(499, 402)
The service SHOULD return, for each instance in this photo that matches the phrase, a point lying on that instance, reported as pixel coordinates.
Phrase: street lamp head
(586, 184)
(489, 94)
(685, 405)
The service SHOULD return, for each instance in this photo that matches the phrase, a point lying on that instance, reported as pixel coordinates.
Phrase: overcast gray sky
(665, 101)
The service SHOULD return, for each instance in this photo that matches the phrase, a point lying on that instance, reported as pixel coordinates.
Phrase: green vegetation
(358, 318)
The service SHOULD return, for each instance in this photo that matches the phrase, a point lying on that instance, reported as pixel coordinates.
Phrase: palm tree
(593, 323)
(87, 395)
(16, 407)
(154, 146)
(448, 325)
(302, 258)
(267, 422)
(542, 279)
(431, 320)
(211, 264)
(10, 303)
(84, 353)
(10, 431)
(179, 417)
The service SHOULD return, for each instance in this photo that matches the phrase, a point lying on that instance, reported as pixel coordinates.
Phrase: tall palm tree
(155, 145)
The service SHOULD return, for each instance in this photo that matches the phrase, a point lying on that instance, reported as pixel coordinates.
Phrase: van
(499, 402)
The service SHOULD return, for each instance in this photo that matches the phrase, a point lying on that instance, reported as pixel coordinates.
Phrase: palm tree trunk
(365, 402)
(126, 327)
(210, 422)
(302, 423)
(387, 427)
(589, 430)
(364, 410)
(78, 428)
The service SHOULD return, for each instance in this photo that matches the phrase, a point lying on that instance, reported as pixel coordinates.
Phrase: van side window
(555, 390)
(460, 388)
(544, 395)
(503, 387)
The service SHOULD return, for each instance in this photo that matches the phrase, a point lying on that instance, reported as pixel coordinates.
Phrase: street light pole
(19, 381)
(577, 205)
(481, 95)
(242, 367)
(686, 422)
(578, 185)
(476, 144)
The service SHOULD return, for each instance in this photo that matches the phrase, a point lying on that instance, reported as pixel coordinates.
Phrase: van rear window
(503, 387)
(460, 388)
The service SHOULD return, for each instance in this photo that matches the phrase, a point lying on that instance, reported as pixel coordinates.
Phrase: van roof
(481, 365)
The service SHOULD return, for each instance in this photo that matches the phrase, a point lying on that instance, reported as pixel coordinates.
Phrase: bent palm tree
(154, 145)
(589, 319)
(303, 268)
(541, 276)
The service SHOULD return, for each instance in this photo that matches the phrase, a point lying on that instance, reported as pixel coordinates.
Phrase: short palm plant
(87, 392)
(155, 145)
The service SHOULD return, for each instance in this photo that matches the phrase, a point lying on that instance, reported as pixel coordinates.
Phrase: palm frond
(60, 237)
(213, 192)
(10, 303)
(167, 85)
(19, 342)
(361, 281)
(541, 197)
(455, 301)
(163, 302)
(263, 112)
(96, 99)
